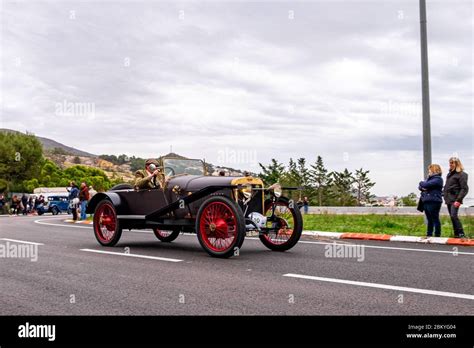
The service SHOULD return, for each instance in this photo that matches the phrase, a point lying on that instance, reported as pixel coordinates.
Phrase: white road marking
(21, 241)
(383, 286)
(41, 222)
(394, 248)
(132, 255)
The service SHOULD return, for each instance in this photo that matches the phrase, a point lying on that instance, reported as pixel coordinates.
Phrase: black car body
(220, 209)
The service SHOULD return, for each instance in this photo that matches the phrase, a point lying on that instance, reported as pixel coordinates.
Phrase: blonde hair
(435, 169)
(457, 162)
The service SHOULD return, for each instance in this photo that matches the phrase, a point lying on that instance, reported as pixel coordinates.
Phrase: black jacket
(432, 189)
(456, 187)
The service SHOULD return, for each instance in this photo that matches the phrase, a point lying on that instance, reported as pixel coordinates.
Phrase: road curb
(364, 236)
(391, 238)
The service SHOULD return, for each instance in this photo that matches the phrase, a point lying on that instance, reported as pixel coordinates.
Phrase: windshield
(174, 166)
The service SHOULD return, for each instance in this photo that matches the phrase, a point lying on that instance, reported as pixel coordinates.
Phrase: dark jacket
(432, 189)
(456, 187)
(73, 193)
(84, 194)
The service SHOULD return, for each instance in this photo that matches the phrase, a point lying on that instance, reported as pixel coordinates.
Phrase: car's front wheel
(166, 235)
(107, 227)
(55, 211)
(220, 227)
(284, 223)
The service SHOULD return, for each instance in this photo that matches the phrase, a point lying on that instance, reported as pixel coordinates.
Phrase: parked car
(219, 209)
(55, 205)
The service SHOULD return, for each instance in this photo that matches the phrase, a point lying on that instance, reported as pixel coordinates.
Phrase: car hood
(192, 183)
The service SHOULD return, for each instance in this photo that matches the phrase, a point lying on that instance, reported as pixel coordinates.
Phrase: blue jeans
(83, 210)
(432, 215)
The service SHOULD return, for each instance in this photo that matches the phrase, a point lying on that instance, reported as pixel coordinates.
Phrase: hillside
(66, 156)
(52, 145)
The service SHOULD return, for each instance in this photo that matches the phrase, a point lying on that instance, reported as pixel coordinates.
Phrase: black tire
(296, 231)
(106, 210)
(55, 211)
(234, 222)
(166, 238)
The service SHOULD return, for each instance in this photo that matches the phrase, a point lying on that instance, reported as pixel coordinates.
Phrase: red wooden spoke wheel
(286, 225)
(220, 226)
(107, 228)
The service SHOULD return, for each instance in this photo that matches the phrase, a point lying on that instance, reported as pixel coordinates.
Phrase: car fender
(118, 203)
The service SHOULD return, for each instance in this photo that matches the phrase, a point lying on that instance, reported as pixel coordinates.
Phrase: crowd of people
(32, 204)
(433, 191)
(21, 205)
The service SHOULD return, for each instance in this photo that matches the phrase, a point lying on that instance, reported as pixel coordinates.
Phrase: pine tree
(272, 173)
(362, 185)
(320, 179)
(342, 187)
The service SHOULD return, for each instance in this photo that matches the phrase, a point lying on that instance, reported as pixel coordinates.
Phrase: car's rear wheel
(107, 227)
(286, 225)
(166, 235)
(220, 227)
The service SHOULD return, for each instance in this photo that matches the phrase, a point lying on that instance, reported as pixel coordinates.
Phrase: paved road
(181, 279)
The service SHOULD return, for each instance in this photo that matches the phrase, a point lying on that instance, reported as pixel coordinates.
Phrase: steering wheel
(169, 171)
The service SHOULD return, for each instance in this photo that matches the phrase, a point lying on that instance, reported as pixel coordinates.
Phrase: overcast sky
(241, 82)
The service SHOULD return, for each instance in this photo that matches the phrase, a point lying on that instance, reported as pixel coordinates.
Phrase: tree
(22, 157)
(362, 185)
(272, 173)
(410, 200)
(341, 188)
(320, 179)
(76, 160)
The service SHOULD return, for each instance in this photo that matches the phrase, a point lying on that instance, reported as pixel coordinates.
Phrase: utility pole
(425, 90)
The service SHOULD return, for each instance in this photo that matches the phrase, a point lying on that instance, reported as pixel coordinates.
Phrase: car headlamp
(276, 190)
(246, 191)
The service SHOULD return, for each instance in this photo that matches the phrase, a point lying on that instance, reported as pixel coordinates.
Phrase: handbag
(420, 207)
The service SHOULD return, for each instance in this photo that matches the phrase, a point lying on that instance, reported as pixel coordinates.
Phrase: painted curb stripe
(366, 236)
(458, 241)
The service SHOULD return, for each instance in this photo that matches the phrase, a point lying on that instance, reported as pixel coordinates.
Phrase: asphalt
(66, 280)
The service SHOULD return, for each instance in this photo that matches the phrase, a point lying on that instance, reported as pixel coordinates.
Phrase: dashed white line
(132, 255)
(383, 286)
(21, 241)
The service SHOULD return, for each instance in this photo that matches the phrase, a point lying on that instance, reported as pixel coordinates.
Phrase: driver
(150, 177)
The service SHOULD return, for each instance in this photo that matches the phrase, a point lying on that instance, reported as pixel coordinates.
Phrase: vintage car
(221, 210)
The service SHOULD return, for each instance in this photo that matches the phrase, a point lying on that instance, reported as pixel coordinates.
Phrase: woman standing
(432, 198)
(454, 192)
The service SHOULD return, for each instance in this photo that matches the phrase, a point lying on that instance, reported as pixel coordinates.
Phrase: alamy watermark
(229, 156)
(349, 251)
(19, 251)
(76, 109)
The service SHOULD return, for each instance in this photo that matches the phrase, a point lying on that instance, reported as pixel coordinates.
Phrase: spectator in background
(432, 198)
(15, 205)
(24, 203)
(3, 204)
(84, 198)
(73, 199)
(305, 205)
(31, 201)
(454, 192)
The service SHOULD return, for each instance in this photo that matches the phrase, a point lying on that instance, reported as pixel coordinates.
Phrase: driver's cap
(152, 161)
